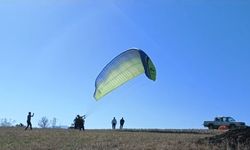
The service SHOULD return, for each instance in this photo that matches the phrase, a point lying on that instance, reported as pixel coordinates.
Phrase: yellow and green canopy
(121, 69)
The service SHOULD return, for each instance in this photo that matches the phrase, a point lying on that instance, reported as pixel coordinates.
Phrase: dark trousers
(113, 125)
(28, 125)
(121, 126)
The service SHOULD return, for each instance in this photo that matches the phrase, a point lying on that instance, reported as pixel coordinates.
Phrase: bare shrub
(44, 122)
(53, 122)
(7, 122)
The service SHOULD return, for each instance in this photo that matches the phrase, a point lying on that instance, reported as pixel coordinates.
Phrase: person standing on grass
(122, 123)
(79, 122)
(29, 121)
(113, 122)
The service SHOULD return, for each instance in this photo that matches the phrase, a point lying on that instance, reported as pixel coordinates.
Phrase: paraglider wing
(121, 69)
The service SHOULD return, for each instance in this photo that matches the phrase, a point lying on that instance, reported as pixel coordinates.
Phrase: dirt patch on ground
(237, 139)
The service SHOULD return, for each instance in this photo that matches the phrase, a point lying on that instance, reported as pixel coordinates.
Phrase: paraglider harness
(79, 122)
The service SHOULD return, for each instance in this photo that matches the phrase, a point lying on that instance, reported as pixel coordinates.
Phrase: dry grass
(68, 139)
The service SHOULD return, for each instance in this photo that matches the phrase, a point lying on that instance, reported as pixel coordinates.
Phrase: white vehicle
(224, 121)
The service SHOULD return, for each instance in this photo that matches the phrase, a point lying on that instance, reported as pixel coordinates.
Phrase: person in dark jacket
(29, 121)
(122, 121)
(113, 122)
(79, 122)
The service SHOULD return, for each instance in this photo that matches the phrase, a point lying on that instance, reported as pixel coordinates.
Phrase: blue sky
(51, 53)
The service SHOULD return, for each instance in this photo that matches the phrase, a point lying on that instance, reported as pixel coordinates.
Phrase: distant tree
(7, 122)
(44, 122)
(53, 122)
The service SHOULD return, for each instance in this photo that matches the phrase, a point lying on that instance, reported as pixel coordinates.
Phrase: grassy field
(69, 139)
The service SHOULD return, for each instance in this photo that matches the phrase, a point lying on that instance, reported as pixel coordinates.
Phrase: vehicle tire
(232, 126)
(210, 126)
